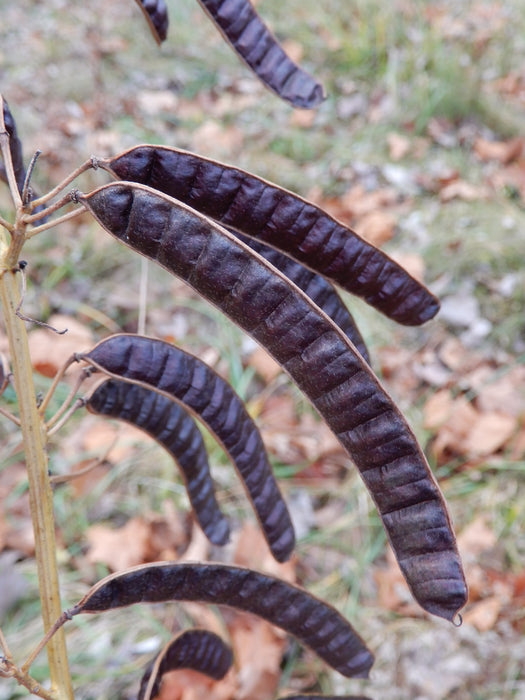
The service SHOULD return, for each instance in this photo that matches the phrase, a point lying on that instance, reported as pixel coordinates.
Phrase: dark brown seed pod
(156, 14)
(320, 291)
(173, 428)
(281, 219)
(312, 621)
(15, 146)
(323, 363)
(253, 42)
(183, 377)
(198, 650)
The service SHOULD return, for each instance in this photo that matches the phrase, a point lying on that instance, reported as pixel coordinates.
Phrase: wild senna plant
(272, 262)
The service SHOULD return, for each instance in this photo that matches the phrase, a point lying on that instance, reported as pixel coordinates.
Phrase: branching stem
(54, 222)
(56, 381)
(87, 165)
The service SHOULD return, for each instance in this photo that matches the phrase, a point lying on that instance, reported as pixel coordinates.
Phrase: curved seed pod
(320, 291)
(156, 14)
(174, 429)
(245, 31)
(198, 650)
(282, 220)
(185, 378)
(322, 362)
(15, 146)
(312, 621)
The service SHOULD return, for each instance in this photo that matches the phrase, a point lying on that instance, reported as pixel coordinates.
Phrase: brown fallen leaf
(190, 685)
(489, 433)
(119, 548)
(452, 434)
(258, 649)
(140, 540)
(377, 227)
(484, 614)
(502, 151)
(437, 409)
(466, 191)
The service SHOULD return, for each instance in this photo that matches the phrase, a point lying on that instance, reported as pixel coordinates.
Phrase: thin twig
(56, 380)
(30, 218)
(64, 617)
(90, 163)
(5, 647)
(11, 416)
(96, 462)
(57, 424)
(6, 224)
(27, 179)
(80, 379)
(21, 268)
(55, 222)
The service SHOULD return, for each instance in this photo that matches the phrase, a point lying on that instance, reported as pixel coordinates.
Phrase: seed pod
(174, 429)
(15, 146)
(312, 621)
(281, 219)
(198, 650)
(253, 42)
(320, 291)
(183, 377)
(323, 363)
(156, 14)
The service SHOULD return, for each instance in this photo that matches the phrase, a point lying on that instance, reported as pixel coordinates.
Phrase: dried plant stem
(54, 222)
(89, 164)
(9, 415)
(57, 424)
(68, 400)
(39, 487)
(6, 224)
(22, 678)
(4, 646)
(56, 381)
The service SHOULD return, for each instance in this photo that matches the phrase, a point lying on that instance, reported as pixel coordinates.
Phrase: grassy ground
(439, 77)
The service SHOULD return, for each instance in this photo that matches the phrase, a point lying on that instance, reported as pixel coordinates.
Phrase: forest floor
(419, 147)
